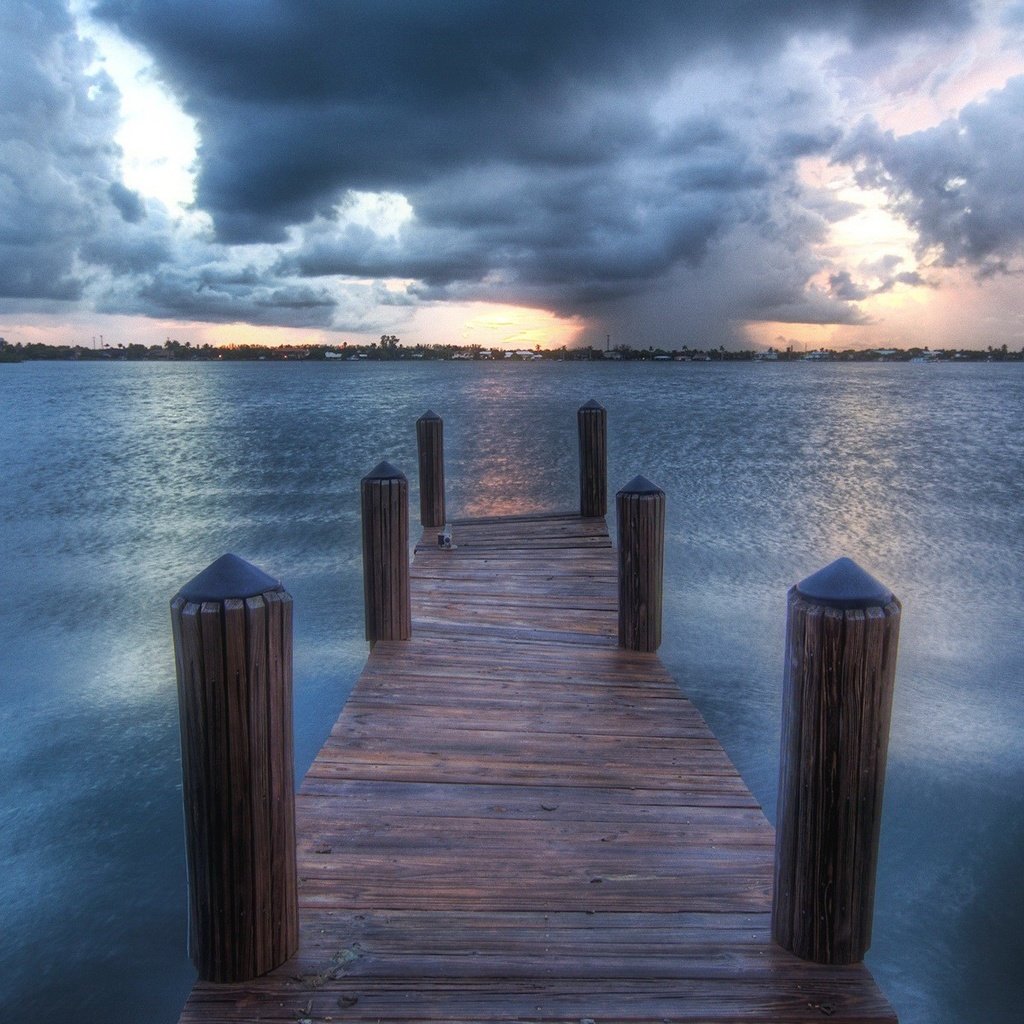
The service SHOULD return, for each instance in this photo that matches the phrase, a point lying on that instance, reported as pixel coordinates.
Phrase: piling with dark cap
(841, 641)
(384, 497)
(232, 627)
(640, 510)
(430, 443)
(592, 427)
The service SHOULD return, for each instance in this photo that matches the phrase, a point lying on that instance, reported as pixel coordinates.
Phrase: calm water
(122, 481)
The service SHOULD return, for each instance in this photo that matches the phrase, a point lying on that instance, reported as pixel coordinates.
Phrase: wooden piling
(841, 640)
(592, 426)
(640, 510)
(232, 627)
(430, 442)
(384, 496)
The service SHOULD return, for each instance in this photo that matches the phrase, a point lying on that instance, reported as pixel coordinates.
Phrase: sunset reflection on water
(513, 448)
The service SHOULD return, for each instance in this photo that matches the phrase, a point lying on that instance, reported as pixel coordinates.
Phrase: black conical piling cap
(384, 471)
(592, 404)
(430, 415)
(640, 485)
(844, 584)
(228, 577)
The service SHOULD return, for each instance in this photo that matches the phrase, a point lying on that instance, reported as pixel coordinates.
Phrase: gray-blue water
(121, 481)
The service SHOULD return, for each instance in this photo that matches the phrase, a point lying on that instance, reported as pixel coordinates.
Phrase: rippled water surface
(121, 481)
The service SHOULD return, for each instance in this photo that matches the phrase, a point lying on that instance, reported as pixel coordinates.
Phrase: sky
(842, 173)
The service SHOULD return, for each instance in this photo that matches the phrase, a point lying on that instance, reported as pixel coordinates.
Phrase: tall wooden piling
(232, 627)
(430, 443)
(592, 426)
(640, 510)
(384, 495)
(841, 640)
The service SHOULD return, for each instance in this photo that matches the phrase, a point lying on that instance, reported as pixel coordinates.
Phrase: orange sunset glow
(501, 326)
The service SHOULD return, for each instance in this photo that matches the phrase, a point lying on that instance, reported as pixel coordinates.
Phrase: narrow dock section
(516, 820)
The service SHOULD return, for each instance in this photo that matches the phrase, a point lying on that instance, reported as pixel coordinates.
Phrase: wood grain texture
(641, 519)
(592, 429)
(430, 446)
(233, 663)
(385, 519)
(840, 668)
(514, 818)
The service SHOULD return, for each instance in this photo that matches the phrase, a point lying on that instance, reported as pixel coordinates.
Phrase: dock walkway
(514, 819)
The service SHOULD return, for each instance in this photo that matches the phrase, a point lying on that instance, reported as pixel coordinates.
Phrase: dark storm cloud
(298, 102)
(181, 292)
(706, 306)
(588, 157)
(572, 229)
(56, 123)
(65, 214)
(572, 236)
(842, 286)
(960, 185)
(128, 202)
(126, 251)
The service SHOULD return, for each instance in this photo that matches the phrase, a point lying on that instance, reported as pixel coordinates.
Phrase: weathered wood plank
(514, 818)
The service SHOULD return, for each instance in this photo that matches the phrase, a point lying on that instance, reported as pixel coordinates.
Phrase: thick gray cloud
(960, 185)
(298, 102)
(842, 286)
(527, 139)
(588, 157)
(66, 217)
(56, 155)
(165, 272)
(128, 203)
(175, 293)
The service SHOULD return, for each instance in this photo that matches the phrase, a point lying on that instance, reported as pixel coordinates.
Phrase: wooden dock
(515, 819)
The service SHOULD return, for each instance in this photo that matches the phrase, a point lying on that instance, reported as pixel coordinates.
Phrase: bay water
(120, 481)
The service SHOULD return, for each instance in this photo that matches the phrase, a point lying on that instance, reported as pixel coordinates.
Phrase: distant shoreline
(175, 352)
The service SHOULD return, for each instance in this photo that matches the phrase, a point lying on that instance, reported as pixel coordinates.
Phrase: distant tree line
(390, 348)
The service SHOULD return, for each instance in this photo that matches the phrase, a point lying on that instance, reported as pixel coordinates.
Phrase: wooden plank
(364, 719)
(317, 994)
(525, 518)
(640, 808)
(516, 819)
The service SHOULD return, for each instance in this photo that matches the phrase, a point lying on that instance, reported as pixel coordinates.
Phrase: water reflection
(127, 479)
(514, 444)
